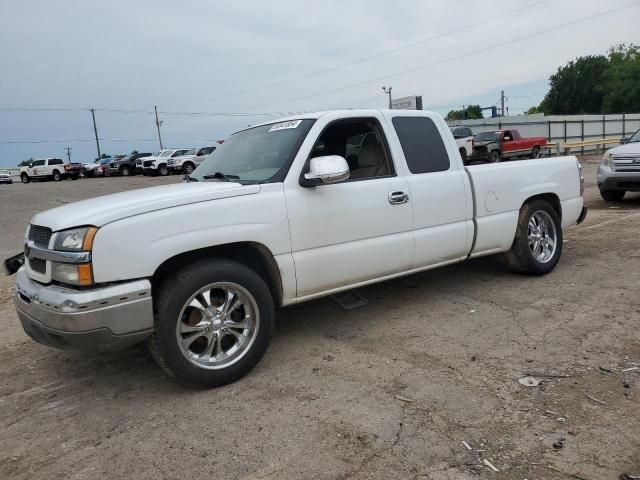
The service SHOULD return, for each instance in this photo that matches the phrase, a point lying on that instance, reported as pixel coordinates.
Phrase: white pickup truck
(464, 140)
(276, 217)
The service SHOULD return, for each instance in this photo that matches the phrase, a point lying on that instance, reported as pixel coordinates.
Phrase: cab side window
(361, 143)
(37, 163)
(422, 144)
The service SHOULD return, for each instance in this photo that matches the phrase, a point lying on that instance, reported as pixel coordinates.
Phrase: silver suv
(619, 171)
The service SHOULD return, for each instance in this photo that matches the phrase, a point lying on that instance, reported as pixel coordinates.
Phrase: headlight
(75, 240)
(607, 159)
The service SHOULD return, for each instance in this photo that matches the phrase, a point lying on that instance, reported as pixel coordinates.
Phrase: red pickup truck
(497, 145)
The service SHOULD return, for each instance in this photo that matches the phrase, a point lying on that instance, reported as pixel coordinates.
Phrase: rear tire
(612, 195)
(194, 340)
(463, 154)
(56, 176)
(24, 178)
(495, 156)
(537, 246)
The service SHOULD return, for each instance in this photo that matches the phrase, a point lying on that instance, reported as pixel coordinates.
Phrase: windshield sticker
(285, 125)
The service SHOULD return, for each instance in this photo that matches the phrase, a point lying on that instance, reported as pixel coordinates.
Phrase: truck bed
(500, 189)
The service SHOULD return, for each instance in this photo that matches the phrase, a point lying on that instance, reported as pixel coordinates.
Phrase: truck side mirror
(327, 169)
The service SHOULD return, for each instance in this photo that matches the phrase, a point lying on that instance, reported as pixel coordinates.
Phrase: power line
(376, 55)
(450, 59)
(147, 112)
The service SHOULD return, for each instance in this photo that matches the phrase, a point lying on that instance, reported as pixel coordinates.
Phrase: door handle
(398, 198)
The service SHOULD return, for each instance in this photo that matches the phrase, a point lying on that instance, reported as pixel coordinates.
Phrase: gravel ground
(390, 390)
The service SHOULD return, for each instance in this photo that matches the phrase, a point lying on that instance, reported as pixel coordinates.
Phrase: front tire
(612, 195)
(125, 172)
(214, 320)
(495, 156)
(537, 246)
(535, 153)
(25, 178)
(188, 168)
(163, 171)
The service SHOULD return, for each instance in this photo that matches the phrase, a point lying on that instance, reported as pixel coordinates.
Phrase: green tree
(25, 163)
(534, 110)
(621, 81)
(470, 112)
(576, 87)
(596, 84)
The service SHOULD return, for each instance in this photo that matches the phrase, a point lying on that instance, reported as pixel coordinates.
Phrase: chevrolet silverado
(277, 216)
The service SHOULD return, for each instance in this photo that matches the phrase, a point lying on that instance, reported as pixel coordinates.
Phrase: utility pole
(388, 92)
(158, 123)
(95, 130)
(69, 153)
(502, 102)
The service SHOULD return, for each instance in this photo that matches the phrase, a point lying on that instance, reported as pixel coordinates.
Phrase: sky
(246, 62)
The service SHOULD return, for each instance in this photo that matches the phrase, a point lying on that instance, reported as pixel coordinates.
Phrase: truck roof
(348, 111)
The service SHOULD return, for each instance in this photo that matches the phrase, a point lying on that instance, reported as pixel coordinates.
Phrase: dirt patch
(390, 390)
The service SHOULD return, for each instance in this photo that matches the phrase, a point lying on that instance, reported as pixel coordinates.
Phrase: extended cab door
(440, 190)
(356, 230)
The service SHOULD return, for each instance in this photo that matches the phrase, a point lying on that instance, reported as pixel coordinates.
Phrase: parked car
(126, 166)
(619, 171)
(98, 168)
(160, 165)
(50, 168)
(141, 160)
(5, 177)
(464, 140)
(281, 219)
(188, 162)
(503, 144)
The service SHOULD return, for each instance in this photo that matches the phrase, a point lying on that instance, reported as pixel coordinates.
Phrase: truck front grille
(627, 163)
(147, 163)
(40, 235)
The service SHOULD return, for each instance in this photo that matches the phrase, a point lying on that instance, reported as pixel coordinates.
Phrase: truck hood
(109, 208)
(483, 143)
(626, 149)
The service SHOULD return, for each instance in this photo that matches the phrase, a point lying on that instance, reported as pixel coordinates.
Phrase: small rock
(529, 381)
(473, 358)
(328, 358)
(559, 444)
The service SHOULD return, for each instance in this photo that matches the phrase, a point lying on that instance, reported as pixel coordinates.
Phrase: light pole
(388, 92)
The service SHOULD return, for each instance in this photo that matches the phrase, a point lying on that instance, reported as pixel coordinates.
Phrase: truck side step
(349, 300)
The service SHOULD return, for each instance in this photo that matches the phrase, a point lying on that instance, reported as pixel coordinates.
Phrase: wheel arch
(551, 198)
(252, 254)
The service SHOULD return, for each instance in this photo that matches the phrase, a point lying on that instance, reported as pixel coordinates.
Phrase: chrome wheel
(542, 236)
(217, 325)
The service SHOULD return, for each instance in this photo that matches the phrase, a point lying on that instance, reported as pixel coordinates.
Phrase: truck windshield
(487, 136)
(256, 155)
(635, 138)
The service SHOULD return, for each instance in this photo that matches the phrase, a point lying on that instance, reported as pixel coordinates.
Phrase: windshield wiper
(221, 176)
(189, 178)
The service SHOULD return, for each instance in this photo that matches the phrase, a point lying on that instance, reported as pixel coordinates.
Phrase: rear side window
(422, 144)
(55, 161)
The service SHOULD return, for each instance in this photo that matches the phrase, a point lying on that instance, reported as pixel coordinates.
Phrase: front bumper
(609, 180)
(100, 319)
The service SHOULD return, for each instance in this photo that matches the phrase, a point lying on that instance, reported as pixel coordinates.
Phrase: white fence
(560, 128)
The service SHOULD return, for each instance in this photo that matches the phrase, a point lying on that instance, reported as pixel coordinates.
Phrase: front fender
(134, 247)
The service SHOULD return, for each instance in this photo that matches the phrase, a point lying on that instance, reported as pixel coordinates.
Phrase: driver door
(356, 230)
